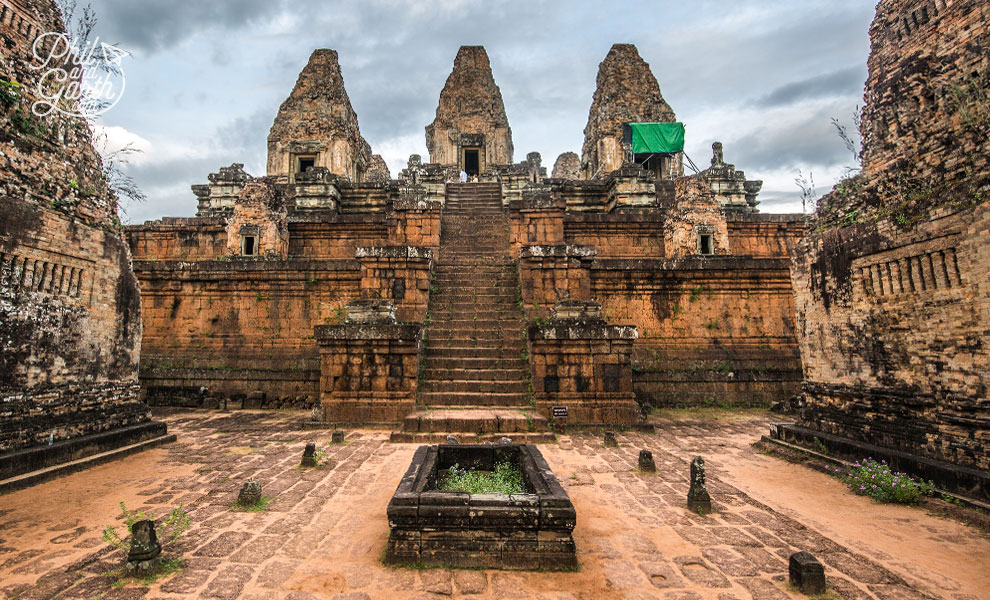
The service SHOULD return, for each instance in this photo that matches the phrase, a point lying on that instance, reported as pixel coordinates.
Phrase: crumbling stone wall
(470, 113)
(70, 311)
(567, 166)
(626, 91)
(890, 286)
(317, 120)
(259, 212)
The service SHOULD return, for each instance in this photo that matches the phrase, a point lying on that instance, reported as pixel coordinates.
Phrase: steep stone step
(439, 363)
(482, 373)
(473, 399)
(488, 387)
(475, 420)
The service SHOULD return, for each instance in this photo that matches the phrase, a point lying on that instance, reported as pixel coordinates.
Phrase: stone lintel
(327, 335)
(393, 252)
(558, 251)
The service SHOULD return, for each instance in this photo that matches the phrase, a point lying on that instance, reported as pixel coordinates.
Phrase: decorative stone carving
(731, 188)
(309, 455)
(567, 166)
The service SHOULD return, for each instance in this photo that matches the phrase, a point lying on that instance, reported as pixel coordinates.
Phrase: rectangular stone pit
(527, 531)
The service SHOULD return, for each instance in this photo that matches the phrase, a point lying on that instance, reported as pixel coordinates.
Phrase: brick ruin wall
(70, 311)
(891, 287)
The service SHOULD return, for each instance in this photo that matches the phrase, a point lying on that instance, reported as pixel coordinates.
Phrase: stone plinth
(317, 188)
(582, 363)
(631, 185)
(553, 272)
(400, 274)
(537, 219)
(526, 531)
(414, 220)
(368, 370)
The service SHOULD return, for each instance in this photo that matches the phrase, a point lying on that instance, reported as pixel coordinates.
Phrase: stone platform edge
(972, 485)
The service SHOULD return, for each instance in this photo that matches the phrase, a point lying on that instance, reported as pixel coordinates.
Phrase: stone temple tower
(317, 127)
(626, 91)
(470, 129)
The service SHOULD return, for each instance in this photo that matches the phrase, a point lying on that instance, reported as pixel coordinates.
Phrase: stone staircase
(474, 378)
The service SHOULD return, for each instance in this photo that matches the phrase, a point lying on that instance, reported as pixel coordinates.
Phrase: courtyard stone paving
(323, 534)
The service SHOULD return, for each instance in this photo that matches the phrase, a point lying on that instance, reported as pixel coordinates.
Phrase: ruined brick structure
(316, 126)
(70, 310)
(489, 303)
(891, 287)
(626, 91)
(470, 119)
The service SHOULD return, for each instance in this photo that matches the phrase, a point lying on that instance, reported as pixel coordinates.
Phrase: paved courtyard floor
(323, 534)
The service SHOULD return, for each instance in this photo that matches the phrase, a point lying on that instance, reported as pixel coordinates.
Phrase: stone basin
(431, 527)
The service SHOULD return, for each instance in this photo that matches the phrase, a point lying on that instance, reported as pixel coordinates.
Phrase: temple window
(706, 244)
(249, 245)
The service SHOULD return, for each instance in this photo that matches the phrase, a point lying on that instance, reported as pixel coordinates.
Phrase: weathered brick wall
(337, 238)
(198, 238)
(239, 327)
(711, 330)
(764, 235)
(891, 290)
(70, 312)
(635, 234)
(400, 274)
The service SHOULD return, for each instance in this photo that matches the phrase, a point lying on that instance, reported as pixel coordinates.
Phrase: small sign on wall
(559, 412)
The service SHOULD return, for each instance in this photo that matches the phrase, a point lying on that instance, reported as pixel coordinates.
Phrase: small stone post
(250, 493)
(144, 557)
(806, 573)
(699, 500)
(646, 461)
(610, 441)
(337, 437)
(309, 455)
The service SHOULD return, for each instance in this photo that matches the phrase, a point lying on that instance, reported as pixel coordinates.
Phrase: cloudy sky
(205, 79)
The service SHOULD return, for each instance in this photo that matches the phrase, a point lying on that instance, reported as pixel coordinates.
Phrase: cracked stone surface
(323, 534)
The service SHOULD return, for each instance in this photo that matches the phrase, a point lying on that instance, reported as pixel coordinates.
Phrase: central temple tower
(470, 129)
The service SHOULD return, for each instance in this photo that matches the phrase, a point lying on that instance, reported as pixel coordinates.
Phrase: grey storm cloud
(152, 25)
(836, 83)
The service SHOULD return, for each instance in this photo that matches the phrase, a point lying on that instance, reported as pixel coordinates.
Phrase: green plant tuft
(876, 480)
(505, 479)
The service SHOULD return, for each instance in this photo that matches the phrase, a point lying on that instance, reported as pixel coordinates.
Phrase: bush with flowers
(875, 479)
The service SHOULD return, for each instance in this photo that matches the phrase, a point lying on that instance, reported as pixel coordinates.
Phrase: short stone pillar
(609, 440)
(699, 500)
(250, 493)
(806, 573)
(309, 456)
(551, 273)
(144, 557)
(581, 363)
(537, 219)
(337, 437)
(369, 366)
(414, 220)
(646, 461)
(400, 274)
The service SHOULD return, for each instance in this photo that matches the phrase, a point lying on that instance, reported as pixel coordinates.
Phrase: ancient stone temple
(471, 129)
(626, 91)
(891, 283)
(507, 306)
(70, 310)
(316, 126)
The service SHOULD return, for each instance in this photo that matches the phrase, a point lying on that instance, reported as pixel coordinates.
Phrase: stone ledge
(964, 480)
(402, 332)
(393, 252)
(558, 251)
(39, 458)
(693, 263)
(226, 266)
(576, 329)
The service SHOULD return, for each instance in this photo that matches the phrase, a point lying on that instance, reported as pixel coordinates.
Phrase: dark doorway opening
(656, 164)
(471, 162)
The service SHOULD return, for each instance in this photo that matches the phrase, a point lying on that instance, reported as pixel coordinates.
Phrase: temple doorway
(472, 161)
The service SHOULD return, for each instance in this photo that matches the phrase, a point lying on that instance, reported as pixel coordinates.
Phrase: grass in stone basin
(505, 479)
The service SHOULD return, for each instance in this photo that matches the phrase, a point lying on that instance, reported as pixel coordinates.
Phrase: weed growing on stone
(121, 579)
(505, 479)
(167, 529)
(259, 506)
(876, 480)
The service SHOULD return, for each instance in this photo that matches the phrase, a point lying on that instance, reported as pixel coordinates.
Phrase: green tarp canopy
(657, 138)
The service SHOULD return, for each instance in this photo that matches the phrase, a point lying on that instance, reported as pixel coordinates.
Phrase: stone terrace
(324, 534)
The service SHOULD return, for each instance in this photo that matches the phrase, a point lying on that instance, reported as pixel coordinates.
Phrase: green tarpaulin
(659, 138)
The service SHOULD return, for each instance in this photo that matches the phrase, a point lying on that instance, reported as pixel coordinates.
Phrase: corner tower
(626, 92)
(317, 127)
(470, 129)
